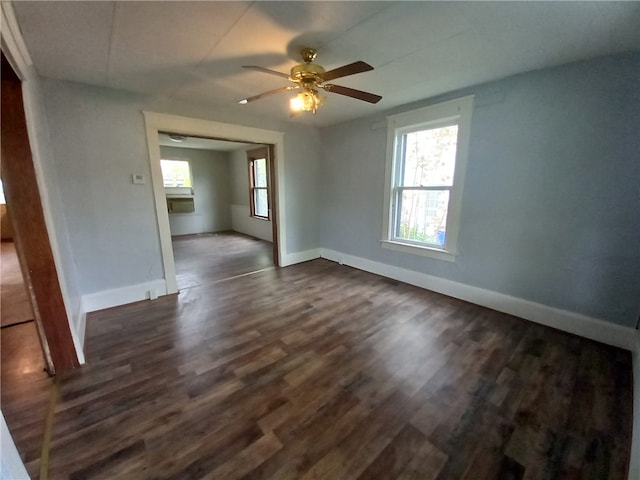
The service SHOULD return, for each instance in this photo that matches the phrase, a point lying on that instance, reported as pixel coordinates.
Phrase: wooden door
(30, 232)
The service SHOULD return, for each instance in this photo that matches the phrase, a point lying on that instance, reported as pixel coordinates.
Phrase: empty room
(322, 240)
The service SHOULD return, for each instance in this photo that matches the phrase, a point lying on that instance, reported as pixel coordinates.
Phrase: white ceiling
(194, 51)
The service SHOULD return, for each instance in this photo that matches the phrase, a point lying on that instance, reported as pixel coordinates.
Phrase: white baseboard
(77, 333)
(578, 324)
(634, 462)
(299, 257)
(123, 295)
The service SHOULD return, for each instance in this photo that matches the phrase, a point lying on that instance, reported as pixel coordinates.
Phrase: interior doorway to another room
(23, 362)
(157, 124)
(15, 304)
(220, 207)
(30, 230)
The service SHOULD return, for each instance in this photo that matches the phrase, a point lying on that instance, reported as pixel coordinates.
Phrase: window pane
(422, 216)
(175, 173)
(260, 172)
(430, 157)
(261, 203)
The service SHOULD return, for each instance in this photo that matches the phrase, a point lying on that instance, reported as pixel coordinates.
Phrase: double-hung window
(259, 182)
(426, 161)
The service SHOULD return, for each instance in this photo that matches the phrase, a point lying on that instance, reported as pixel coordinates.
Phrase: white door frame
(157, 122)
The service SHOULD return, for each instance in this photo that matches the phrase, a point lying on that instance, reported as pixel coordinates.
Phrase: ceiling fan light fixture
(174, 137)
(307, 101)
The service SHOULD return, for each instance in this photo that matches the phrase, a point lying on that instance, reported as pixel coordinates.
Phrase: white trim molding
(582, 325)
(13, 45)
(299, 257)
(79, 321)
(121, 296)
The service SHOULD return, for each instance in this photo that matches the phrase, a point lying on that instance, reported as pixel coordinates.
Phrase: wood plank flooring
(321, 371)
(15, 306)
(25, 389)
(210, 257)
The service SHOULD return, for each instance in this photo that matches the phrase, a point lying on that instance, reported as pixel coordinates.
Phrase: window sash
(397, 215)
(400, 139)
(260, 172)
(256, 202)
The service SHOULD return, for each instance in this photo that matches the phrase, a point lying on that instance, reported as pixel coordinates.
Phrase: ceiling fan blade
(352, 92)
(266, 70)
(266, 94)
(346, 70)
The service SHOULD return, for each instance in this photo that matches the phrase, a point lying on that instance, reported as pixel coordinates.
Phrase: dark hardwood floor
(210, 257)
(321, 371)
(15, 305)
(25, 391)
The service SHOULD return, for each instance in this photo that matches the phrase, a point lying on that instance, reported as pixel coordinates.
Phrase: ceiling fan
(309, 77)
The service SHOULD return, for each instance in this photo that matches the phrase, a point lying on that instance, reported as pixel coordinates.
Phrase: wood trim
(30, 231)
(273, 201)
(268, 152)
(252, 156)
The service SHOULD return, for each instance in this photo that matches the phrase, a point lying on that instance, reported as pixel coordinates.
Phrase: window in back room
(259, 183)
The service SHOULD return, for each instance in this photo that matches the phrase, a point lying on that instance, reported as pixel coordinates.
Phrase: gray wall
(211, 192)
(239, 177)
(551, 209)
(98, 141)
(52, 201)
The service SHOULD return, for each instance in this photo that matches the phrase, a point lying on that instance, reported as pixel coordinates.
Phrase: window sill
(418, 250)
(265, 219)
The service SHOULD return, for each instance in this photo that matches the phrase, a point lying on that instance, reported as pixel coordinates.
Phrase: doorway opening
(221, 223)
(188, 127)
(15, 304)
(30, 231)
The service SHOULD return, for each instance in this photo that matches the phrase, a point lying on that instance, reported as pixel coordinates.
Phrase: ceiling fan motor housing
(307, 71)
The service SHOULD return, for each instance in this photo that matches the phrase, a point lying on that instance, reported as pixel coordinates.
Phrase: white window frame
(179, 191)
(458, 112)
